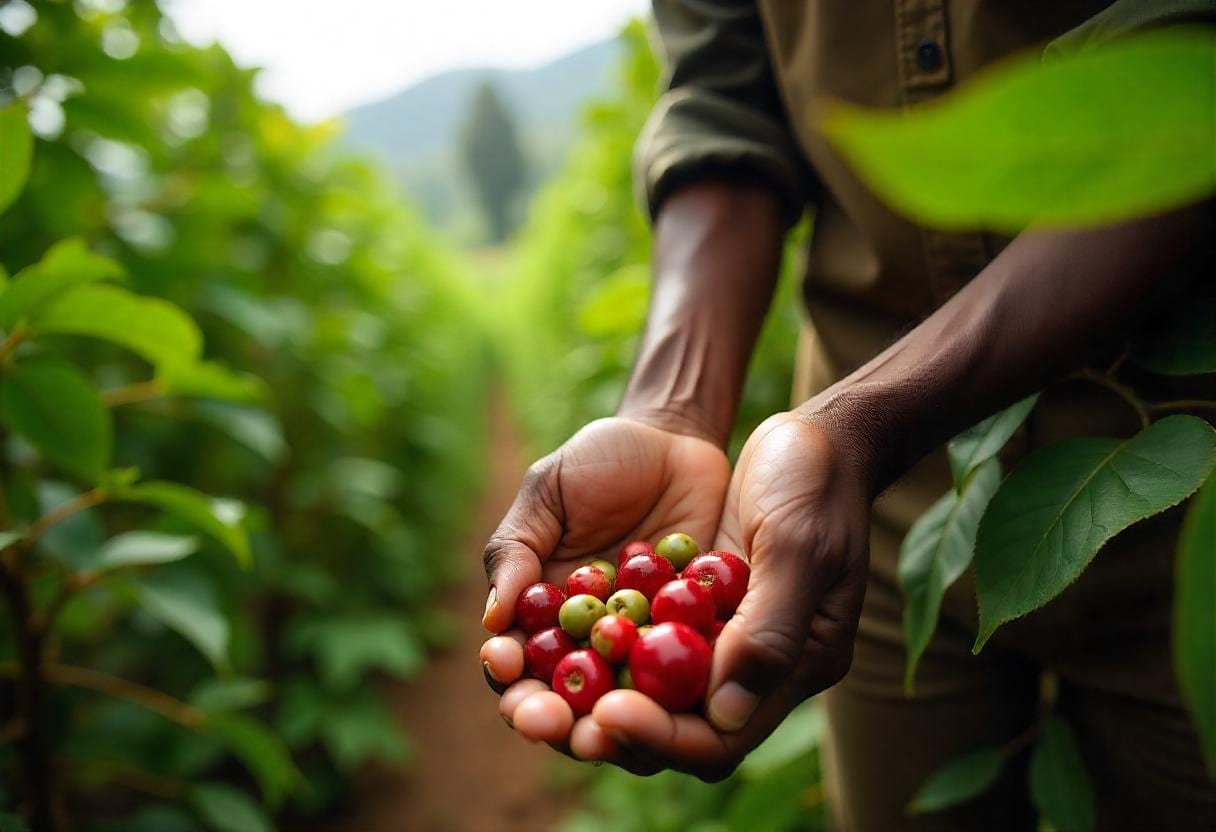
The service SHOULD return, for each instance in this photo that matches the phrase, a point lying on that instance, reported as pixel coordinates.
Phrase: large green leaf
(798, 735)
(141, 548)
(969, 449)
(937, 549)
(155, 329)
(258, 430)
(1183, 342)
(1053, 514)
(260, 750)
(1093, 137)
(207, 379)
(16, 150)
(187, 603)
(211, 516)
(56, 408)
(1059, 785)
(1195, 618)
(226, 809)
(959, 780)
(66, 265)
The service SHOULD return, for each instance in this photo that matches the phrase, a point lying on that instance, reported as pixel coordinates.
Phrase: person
(914, 334)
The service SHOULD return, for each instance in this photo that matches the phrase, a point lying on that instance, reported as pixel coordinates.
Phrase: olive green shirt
(742, 75)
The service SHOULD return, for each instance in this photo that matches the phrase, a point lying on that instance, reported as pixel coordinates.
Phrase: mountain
(414, 132)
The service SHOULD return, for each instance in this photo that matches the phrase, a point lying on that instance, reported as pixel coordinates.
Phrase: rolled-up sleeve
(721, 113)
(1124, 17)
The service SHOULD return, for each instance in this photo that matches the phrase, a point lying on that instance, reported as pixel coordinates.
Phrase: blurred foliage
(576, 303)
(352, 428)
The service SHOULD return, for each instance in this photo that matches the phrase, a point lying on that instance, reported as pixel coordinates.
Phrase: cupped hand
(798, 507)
(616, 480)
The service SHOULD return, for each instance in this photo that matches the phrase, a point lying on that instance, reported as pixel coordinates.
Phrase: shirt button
(928, 55)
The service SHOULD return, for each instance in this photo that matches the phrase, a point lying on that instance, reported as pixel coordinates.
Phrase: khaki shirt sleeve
(1123, 17)
(721, 114)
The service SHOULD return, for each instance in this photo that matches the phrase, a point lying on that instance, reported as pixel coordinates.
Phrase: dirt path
(473, 774)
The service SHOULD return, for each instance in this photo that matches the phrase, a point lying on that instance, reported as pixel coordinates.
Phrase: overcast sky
(324, 56)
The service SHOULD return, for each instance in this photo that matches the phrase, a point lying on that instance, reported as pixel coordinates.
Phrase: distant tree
(490, 150)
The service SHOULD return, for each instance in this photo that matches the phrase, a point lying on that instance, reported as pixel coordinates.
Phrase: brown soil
(472, 773)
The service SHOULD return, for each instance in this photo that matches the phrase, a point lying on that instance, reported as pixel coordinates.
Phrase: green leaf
(777, 802)
(66, 265)
(232, 693)
(362, 730)
(261, 751)
(347, 647)
(206, 379)
(187, 604)
(140, 548)
(1094, 137)
(54, 406)
(799, 734)
(1181, 344)
(1059, 784)
(937, 549)
(212, 516)
(618, 306)
(1195, 618)
(958, 781)
(8, 539)
(16, 150)
(969, 449)
(1053, 514)
(225, 809)
(258, 430)
(155, 329)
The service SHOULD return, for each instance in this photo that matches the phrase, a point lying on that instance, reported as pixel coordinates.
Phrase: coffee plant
(241, 407)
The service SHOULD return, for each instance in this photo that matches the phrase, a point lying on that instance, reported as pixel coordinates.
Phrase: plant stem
(33, 746)
(1119, 389)
(116, 687)
(133, 393)
(11, 341)
(62, 512)
(1182, 404)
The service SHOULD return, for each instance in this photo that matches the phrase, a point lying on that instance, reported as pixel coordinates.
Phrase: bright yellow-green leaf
(66, 265)
(1053, 514)
(155, 329)
(1092, 137)
(209, 515)
(16, 150)
(937, 549)
(57, 409)
(206, 379)
(1195, 618)
(618, 306)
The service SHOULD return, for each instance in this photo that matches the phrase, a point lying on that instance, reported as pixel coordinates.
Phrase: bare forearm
(717, 252)
(1033, 314)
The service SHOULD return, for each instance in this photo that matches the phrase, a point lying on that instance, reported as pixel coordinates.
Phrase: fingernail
(507, 720)
(732, 706)
(491, 602)
(495, 685)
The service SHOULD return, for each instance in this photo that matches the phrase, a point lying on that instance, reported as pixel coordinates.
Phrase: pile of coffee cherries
(648, 623)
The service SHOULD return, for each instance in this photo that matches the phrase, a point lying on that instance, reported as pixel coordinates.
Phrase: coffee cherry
(588, 580)
(581, 678)
(683, 600)
(579, 613)
(607, 568)
(631, 604)
(645, 573)
(678, 548)
(538, 606)
(637, 547)
(544, 650)
(724, 575)
(613, 636)
(670, 664)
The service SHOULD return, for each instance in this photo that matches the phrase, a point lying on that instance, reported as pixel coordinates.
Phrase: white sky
(322, 57)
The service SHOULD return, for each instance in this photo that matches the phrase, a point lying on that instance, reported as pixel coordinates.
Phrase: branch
(142, 391)
(124, 774)
(115, 687)
(1119, 389)
(62, 512)
(10, 343)
(1182, 404)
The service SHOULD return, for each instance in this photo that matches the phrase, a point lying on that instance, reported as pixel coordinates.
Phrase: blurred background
(407, 237)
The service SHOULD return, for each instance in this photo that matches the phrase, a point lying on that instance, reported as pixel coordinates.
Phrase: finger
(544, 717)
(588, 741)
(525, 538)
(502, 659)
(516, 694)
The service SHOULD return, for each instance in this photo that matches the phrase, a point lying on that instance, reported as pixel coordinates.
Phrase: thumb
(526, 537)
(765, 640)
